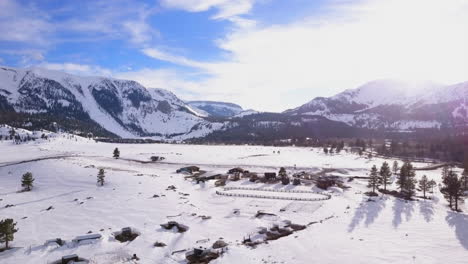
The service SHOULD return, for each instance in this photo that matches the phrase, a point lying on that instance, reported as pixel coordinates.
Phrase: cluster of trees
(406, 179)
(448, 148)
(334, 147)
(37, 121)
(360, 143)
(380, 177)
(12, 135)
(454, 187)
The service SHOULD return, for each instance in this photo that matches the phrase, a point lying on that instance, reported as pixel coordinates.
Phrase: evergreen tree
(7, 231)
(27, 181)
(116, 153)
(395, 167)
(282, 172)
(445, 172)
(385, 175)
(452, 189)
(374, 180)
(12, 133)
(100, 177)
(325, 150)
(424, 185)
(406, 180)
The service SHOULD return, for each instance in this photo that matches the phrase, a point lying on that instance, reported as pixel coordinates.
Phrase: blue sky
(264, 54)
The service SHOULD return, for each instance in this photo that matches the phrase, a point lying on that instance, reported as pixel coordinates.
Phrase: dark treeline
(53, 122)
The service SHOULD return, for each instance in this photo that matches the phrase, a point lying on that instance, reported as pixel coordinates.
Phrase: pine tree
(100, 177)
(445, 171)
(27, 181)
(395, 167)
(373, 179)
(406, 180)
(7, 231)
(385, 175)
(325, 150)
(116, 153)
(282, 172)
(424, 185)
(452, 189)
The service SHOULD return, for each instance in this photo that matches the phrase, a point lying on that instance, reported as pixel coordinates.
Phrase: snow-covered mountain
(122, 107)
(394, 105)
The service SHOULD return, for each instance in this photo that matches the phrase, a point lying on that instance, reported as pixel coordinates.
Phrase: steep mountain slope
(216, 109)
(393, 105)
(122, 107)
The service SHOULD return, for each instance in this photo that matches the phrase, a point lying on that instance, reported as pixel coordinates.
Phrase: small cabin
(70, 258)
(270, 175)
(253, 177)
(57, 241)
(126, 231)
(157, 158)
(237, 170)
(296, 181)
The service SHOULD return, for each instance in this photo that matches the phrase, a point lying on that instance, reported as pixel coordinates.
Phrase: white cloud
(23, 23)
(159, 54)
(78, 69)
(282, 66)
(225, 8)
(168, 79)
(140, 31)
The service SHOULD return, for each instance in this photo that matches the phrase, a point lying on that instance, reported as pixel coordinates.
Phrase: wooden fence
(226, 193)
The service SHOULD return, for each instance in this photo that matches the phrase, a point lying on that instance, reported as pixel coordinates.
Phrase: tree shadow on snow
(460, 222)
(367, 211)
(400, 208)
(426, 209)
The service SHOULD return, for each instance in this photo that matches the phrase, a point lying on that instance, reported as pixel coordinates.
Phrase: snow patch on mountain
(216, 109)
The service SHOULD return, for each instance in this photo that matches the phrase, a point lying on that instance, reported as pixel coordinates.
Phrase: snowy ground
(387, 230)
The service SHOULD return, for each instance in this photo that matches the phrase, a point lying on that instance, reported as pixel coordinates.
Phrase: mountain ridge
(122, 107)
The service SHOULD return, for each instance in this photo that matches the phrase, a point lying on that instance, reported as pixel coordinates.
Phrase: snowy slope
(122, 107)
(392, 104)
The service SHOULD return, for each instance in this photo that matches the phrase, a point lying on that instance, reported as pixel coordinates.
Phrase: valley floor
(384, 230)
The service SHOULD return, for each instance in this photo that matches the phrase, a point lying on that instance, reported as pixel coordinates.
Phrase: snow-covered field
(386, 230)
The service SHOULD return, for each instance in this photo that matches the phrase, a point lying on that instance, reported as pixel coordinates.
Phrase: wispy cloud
(78, 69)
(225, 8)
(23, 23)
(34, 28)
(159, 54)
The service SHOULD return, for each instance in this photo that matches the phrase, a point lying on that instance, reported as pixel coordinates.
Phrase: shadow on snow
(367, 211)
